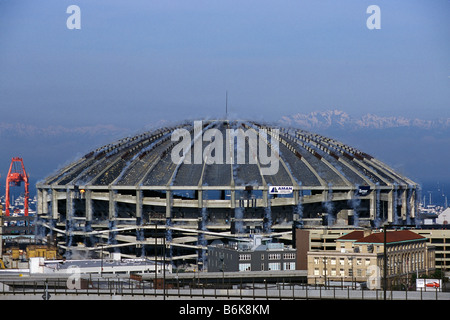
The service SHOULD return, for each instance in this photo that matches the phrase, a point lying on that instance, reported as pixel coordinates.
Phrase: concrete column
(138, 204)
(55, 213)
(200, 198)
(69, 204)
(112, 205)
(295, 195)
(40, 201)
(373, 205)
(139, 231)
(266, 198)
(69, 217)
(169, 203)
(233, 199)
(44, 201)
(404, 209)
(112, 214)
(88, 241)
(412, 203)
(325, 196)
(88, 197)
(391, 204)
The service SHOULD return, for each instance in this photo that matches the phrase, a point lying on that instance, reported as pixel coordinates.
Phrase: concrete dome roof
(304, 159)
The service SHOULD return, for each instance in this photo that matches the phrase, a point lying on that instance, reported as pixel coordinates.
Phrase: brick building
(359, 257)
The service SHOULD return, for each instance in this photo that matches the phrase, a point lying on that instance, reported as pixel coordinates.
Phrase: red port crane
(16, 175)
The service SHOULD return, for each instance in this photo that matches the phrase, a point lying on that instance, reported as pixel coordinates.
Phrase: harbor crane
(16, 175)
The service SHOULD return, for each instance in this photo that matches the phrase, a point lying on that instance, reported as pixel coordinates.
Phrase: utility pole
(164, 266)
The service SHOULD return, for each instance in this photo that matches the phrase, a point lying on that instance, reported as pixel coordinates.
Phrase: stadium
(172, 191)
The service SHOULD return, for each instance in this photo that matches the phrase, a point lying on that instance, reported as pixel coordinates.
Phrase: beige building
(359, 257)
(440, 240)
(325, 239)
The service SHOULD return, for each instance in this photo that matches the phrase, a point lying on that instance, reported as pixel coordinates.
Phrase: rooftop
(352, 236)
(391, 237)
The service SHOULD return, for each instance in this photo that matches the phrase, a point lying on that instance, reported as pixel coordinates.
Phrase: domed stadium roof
(226, 153)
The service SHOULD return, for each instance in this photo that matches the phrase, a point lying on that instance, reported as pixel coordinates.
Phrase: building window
(274, 266)
(289, 266)
(274, 256)
(244, 267)
(316, 271)
(245, 257)
(316, 260)
(289, 256)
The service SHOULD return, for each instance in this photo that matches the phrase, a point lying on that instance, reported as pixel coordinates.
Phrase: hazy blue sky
(134, 62)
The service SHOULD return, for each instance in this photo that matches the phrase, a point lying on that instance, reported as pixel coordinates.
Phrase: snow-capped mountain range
(418, 148)
(329, 119)
(340, 119)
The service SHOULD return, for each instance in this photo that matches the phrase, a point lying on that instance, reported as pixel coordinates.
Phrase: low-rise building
(359, 258)
(116, 265)
(251, 256)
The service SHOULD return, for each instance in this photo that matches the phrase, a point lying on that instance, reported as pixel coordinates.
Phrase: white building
(443, 217)
(103, 266)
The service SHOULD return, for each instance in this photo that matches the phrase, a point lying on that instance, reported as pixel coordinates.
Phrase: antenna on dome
(226, 104)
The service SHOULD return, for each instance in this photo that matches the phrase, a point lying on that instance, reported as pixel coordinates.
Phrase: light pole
(101, 260)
